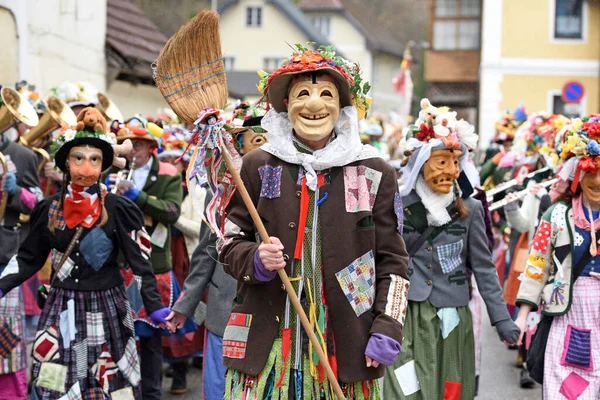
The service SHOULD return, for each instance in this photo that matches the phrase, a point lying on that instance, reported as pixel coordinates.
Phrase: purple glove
(159, 316)
(260, 272)
(132, 194)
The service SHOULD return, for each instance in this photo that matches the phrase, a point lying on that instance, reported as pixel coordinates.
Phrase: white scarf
(345, 149)
(435, 203)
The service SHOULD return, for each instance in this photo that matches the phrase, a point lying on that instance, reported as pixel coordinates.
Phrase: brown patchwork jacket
(368, 189)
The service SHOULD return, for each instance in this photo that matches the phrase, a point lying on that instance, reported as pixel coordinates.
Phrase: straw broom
(191, 76)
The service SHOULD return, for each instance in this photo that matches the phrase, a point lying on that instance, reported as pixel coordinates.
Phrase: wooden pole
(283, 275)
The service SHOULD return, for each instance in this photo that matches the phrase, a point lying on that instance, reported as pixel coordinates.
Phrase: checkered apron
(583, 315)
(13, 346)
(103, 321)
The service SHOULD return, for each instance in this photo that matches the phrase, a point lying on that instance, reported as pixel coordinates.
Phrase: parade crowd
(131, 243)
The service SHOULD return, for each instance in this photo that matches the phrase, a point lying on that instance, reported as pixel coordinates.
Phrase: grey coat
(438, 269)
(207, 272)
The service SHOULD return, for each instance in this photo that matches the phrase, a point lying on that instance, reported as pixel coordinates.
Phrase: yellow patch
(534, 273)
(536, 261)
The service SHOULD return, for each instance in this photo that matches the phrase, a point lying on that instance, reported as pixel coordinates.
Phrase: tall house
(452, 62)
(544, 54)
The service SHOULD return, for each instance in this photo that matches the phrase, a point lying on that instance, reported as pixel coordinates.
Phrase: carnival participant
(20, 187)
(178, 349)
(85, 345)
(445, 236)
(332, 208)
(561, 275)
(156, 190)
(206, 273)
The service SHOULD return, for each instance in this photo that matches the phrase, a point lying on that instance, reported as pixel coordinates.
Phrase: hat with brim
(277, 90)
(134, 129)
(62, 153)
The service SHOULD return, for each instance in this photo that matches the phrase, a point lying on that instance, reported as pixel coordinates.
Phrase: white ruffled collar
(435, 203)
(345, 149)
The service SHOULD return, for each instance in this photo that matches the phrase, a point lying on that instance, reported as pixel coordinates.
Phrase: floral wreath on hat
(70, 137)
(578, 146)
(436, 129)
(323, 58)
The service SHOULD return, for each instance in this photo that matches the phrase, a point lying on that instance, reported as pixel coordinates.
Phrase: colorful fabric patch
(558, 293)
(573, 386)
(578, 239)
(8, 341)
(270, 178)
(406, 375)
(94, 328)
(129, 364)
(449, 319)
(535, 267)
(165, 282)
(60, 219)
(361, 184)
(45, 346)
(105, 368)
(558, 216)
(577, 352)
(399, 212)
(452, 390)
(52, 376)
(96, 248)
(142, 238)
(81, 358)
(449, 256)
(540, 242)
(122, 394)
(94, 394)
(358, 283)
(235, 337)
(74, 393)
(65, 270)
(397, 298)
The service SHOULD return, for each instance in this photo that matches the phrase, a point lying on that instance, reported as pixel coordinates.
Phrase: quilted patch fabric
(45, 346)
(358, 283)
(60, 220)
(578, 348)
(449, 256)
(397, 298)
(361, 184)
(8, 341)
(96, 248)
(270, 178)
(94, 328)
(129, 363)
(540, 242)
(235, 337)
(142, 239)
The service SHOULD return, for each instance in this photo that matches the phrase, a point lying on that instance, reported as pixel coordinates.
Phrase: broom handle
(283, 276)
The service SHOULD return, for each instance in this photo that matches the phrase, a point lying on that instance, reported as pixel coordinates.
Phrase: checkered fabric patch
(361, 184)
(235, 337)
(399, 212)
(129, 363)
(270, 178)
(74, 393)
(122, 394)
(94, 394)
(81, 358)
(449, 256)
(60, 220)
(8, 341)
(65, 270)
(397, 298)
(105, 368)
(94, 328)
(45, 346)
(358, 283)
(128, 321)
(96, 248)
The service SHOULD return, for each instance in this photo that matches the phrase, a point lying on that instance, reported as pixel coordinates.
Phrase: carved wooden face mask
(252, 141)
(314, 107)
(442, 169)
(85, 165)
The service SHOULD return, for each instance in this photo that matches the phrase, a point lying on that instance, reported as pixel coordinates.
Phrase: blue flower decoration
(593, 148)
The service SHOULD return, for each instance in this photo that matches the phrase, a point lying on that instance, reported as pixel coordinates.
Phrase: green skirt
(430, 366)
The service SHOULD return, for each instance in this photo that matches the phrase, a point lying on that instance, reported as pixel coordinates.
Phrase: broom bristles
(189, 71)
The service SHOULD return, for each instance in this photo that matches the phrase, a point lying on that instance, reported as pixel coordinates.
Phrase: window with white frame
(323, 24)
(254, 17)
(229, 63)
(270, 64)
(568, 19)
(569, 110)
(456, 25)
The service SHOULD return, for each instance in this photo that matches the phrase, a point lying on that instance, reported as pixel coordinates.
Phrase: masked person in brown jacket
(334, 213)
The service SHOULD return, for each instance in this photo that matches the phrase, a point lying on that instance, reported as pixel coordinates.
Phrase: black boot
(179, 385)
(526, 381)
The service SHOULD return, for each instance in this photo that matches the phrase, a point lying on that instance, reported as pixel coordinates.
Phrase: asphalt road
(499, 377)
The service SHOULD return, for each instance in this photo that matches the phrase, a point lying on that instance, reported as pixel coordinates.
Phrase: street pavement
(499, 376)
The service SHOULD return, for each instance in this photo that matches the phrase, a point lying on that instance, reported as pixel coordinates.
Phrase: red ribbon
(286, 341)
